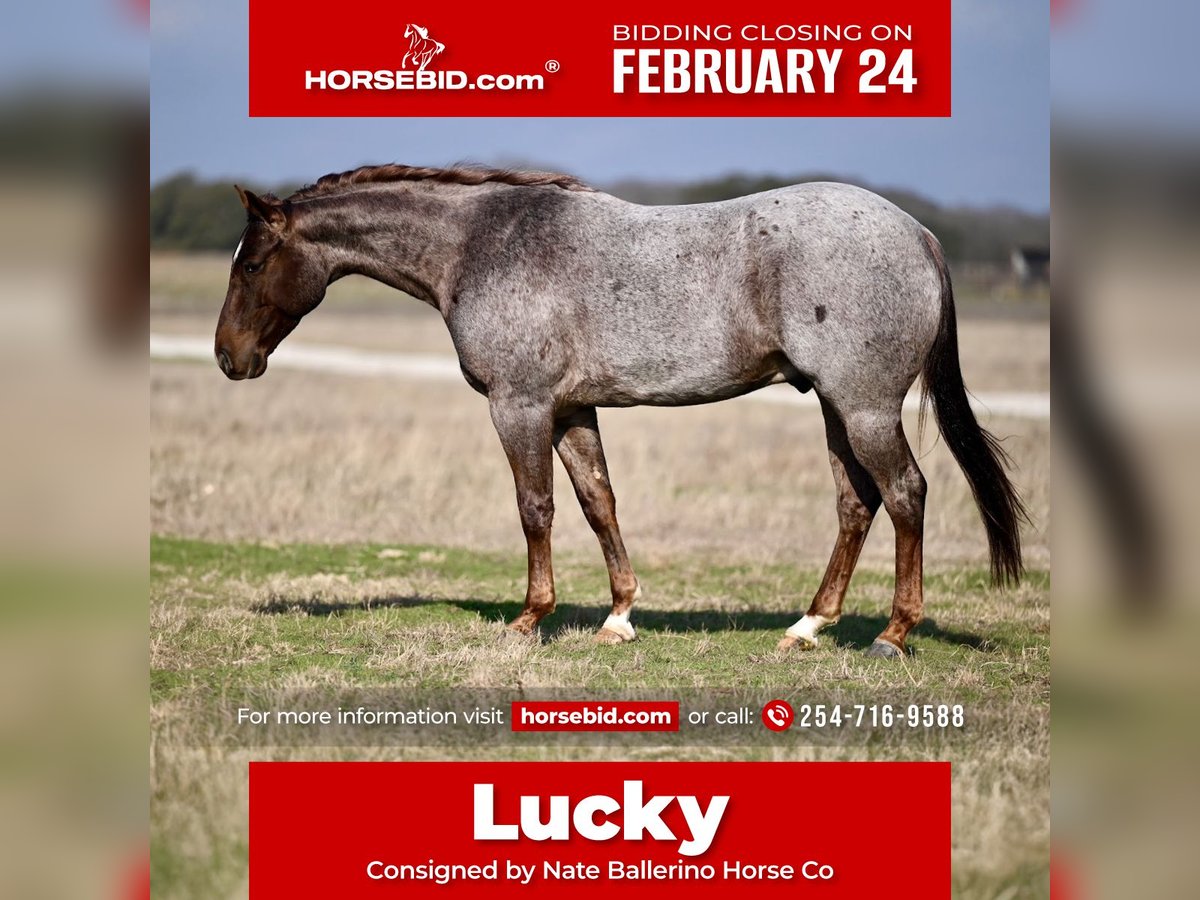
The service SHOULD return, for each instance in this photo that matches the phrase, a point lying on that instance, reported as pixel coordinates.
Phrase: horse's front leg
(526, 431)
(577, 439)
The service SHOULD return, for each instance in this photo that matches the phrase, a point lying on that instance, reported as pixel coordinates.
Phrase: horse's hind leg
(857, 501)
(577, 438)
(878, 441)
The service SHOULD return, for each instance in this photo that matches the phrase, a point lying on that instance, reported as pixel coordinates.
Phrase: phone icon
(778, 715)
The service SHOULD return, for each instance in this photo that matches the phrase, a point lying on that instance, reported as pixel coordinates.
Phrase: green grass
(230, 621)
(701, 626)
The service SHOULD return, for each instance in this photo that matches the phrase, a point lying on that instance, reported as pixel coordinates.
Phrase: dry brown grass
(309, 457)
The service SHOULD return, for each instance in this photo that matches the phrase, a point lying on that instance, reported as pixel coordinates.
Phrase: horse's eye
(251, 267)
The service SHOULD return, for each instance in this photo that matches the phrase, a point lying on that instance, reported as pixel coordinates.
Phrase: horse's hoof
(608, 636)
(795, 643)
(518, 633)
(881, 649)
(616, 630)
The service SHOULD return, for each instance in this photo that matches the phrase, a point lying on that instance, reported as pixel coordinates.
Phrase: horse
(561, 299)
(421, 48)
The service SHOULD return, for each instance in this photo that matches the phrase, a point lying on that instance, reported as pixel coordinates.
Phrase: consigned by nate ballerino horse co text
(589, 820)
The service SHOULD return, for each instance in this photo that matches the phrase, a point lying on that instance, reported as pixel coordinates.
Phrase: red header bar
(701, 58)
(608, 715)
(653, 830)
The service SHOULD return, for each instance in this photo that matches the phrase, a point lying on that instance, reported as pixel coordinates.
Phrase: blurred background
(73, 641)
(1126, 285)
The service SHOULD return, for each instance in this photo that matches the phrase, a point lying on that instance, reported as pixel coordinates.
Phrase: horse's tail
(977, 451)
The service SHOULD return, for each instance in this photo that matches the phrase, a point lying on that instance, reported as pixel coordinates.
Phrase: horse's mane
(457, 174)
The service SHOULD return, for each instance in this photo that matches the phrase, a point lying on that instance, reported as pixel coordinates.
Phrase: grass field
(319, 533)
(232, 619)
(374, 615)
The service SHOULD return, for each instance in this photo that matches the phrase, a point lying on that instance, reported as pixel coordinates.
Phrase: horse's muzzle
(256, 366)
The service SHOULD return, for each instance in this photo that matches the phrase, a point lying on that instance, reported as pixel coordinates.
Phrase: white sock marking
(806, 629)
(620, 624)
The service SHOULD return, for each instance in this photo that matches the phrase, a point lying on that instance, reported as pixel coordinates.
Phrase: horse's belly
(665, 382)
(695, 396)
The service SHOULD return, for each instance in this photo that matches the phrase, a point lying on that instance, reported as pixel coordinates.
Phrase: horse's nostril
(223, 361)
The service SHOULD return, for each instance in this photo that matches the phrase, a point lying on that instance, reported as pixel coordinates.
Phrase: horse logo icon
(421, 47)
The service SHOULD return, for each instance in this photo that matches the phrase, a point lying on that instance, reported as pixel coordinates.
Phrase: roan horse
(561, 299)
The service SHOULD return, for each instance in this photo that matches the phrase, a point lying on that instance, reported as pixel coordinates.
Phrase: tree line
(188, 213)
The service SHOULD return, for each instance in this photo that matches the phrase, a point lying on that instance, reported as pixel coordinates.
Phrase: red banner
(843, 830)
(701, 58)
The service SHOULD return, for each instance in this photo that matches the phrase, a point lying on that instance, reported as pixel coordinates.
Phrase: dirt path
(444, 367)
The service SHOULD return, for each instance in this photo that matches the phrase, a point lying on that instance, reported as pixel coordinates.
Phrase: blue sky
(994, 150)
(74, 43)
(1121, 66)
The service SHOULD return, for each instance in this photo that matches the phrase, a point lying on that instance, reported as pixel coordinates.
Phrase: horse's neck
(411, 240)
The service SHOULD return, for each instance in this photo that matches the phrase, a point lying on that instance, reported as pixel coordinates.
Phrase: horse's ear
(258, 209)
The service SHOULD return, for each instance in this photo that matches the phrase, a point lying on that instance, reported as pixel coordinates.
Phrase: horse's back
(834, 276)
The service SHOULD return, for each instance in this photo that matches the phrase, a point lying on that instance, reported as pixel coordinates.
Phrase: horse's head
(410, 30)
(273, 282)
